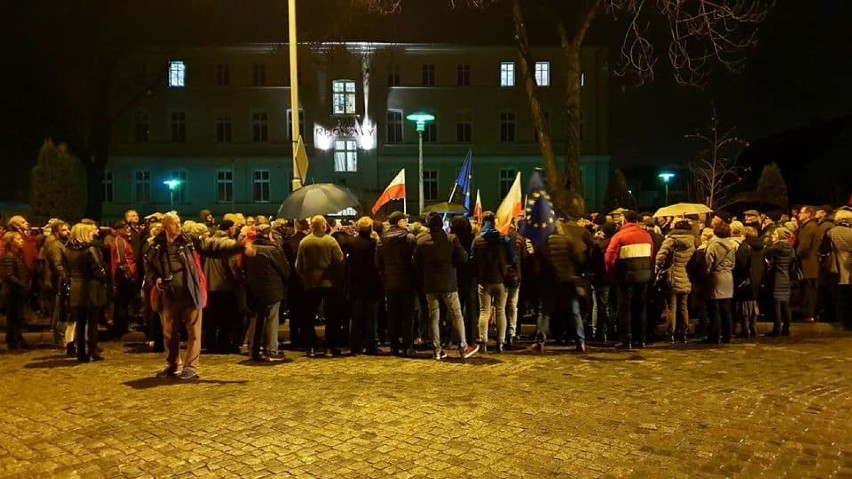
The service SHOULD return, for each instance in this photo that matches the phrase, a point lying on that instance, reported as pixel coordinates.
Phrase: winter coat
(721, 258)
(807, 248)
(53, 254)
(88, 275)
(319, 261)
(630, 255)
(291, 249)
(519, 248)
(491, 253)
(223, 273)
(561, 260)
(267, 272)
(393, 259)
(677, 249)
(122, 261)
(780, 255)
(189, 251)
(597, 266)
(749, 264)
(362, 275)
(841, 248)
(16, 279)
(436, 258)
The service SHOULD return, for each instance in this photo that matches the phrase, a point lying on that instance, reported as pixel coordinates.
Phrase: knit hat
(751, 213)
(395, 217)
(226, 225)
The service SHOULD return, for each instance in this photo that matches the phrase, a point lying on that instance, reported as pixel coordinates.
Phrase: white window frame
(224, 127)
(260, 126)
(261, 178)
(464, 120)
(180, 193)
(430, 179)
(108, 186)
(225, 179)
(542, 73)
(177, 74)
(142, 184)
(507, 74)
(345, 156)
(395, 125)
(343, 96)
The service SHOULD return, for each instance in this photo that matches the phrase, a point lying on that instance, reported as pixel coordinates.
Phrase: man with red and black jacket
(629, 261)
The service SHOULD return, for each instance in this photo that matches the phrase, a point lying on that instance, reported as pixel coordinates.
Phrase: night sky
(796, 83)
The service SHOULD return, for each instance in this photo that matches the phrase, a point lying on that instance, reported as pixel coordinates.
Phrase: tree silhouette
(58, 183)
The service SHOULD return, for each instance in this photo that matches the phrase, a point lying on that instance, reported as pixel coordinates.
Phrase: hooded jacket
(267, 272)
(630, 255)
(362, 275)
(436, 258)
(779, 256)
(393, 259)
(721, 256)
(88, 275)
(491, 253)
(749, 264)
(677, 249)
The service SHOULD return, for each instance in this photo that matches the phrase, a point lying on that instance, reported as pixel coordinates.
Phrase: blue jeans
(487, 292)
(266, 325)
(451, 301)
(564, 305)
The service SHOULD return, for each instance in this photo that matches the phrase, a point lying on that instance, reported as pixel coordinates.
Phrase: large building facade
(218, 120)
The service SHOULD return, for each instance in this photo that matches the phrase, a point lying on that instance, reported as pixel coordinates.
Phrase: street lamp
(666, 177)
(173, 184)
(420, 119)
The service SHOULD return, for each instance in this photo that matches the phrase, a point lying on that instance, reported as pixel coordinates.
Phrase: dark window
(259, 74)
(507, 126)
(430, 134)
(428, 74)
(179, 127)
(394, 126)
(259, 127)
(430, 185)
(223, 75)
(463, 74)
(463, 127)
(223, 128)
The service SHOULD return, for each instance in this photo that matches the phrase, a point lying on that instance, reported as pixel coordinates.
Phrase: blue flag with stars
(539, 219)
(465, 176)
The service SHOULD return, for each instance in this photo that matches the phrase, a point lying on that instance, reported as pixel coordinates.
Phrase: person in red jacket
(629, 260)
(123, 267)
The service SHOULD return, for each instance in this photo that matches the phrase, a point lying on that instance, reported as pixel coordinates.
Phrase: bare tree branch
(716, 171)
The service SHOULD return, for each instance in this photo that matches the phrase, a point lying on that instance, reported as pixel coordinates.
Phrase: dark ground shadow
(153, 382)
(139, 348)
(262, 364)
(45, 363)
(477, 360)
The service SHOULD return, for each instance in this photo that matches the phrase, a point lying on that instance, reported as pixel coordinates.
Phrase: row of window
(177, 76)
(142, 184)
(260, 127)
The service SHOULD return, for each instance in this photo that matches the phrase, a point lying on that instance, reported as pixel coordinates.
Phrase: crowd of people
(429, 284)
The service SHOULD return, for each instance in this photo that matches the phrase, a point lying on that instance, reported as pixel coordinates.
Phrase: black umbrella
(319, 199)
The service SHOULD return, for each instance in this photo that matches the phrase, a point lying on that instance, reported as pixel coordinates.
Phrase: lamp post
(666, 177)
(173, 185)
(420, 119)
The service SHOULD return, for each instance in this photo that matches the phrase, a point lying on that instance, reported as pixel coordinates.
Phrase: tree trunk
(554, 177)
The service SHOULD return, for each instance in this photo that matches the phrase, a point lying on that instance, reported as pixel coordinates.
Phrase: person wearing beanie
(436, 257)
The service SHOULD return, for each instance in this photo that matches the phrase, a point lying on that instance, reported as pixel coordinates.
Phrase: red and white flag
(394, 191)
(510, 208)
(477, 208)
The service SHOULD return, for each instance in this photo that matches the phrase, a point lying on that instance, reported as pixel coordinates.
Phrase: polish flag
(394, 191)
(477, 208)
(511, 207)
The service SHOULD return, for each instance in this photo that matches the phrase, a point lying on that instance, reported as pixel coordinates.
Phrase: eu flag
(463, 181)
(539, 219)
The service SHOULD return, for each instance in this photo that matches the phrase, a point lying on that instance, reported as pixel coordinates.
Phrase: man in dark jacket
(436, 258)
(363, 287)
(266, 276)
(828, 280)
(300, 322)
(492, 255)
(807, 253)
(393, 259)
(629, 261)
(601, 284)
(174, 268)
(561, 262)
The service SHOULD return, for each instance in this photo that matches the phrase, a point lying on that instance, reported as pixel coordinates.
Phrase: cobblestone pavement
(777, 408)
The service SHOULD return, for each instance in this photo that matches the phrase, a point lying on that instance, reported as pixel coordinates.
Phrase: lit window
(507, 177)
(463, 127)
(345, 156)
(140, 128)
(259, 74)
(260, 127)
(225, 186)
(179, 193)
(301, 124)
(107, 183)
(223, 75)
(261, 186)
(344, 97)
(177, 74)
(394, 126)
(178, 123)
(428, 74)
(542, 73)
(463, 75)
(142, 186)
(430, 185)
(507, 74)
(507, 126)
(223, 128)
